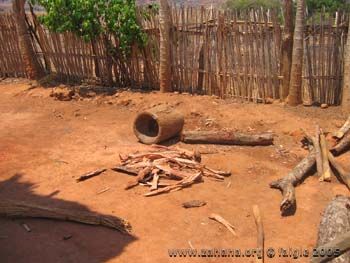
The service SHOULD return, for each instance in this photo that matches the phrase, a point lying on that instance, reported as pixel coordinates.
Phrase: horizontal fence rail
(214, 52)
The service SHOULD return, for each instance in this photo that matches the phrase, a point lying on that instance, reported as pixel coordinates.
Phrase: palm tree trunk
(295, 96)
(346, 80)
(165, 58)
(287, 46)
(32, 66)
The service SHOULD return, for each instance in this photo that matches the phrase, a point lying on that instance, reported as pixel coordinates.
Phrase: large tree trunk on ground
(287, 46)
(165, 58)
(346, 81)
(342, 146)
(226, 137)
(334, 229)
(32, 66)
(17, 209)
(294, 178)
(295, 95)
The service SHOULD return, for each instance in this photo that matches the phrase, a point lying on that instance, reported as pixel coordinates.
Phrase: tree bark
(342, 146)
(287, 46)
(334, 230)
(165, 57)
(346, 81)
(295, 95)
(32, 65)
(227, 137)
(17, 209)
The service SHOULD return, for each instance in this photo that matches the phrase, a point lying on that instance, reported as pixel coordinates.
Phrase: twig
(224, 222)
(90, 175)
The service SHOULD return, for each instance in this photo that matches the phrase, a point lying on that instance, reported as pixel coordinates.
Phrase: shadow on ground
(51, 240)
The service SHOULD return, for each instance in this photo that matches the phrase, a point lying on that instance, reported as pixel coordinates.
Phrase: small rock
(269, 100)
(194, 203)
(62, 93)
(176, 92)
(324, 106)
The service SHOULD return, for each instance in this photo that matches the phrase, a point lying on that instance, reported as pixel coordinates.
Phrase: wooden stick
(140, 177)
(260, 230)
(326, 175)
(221, 220)
(291, 180)
(125, 169)
(90, 175)
(343, 130)
(229, 138)
(318, 153)
(344, 175)
(18, 209)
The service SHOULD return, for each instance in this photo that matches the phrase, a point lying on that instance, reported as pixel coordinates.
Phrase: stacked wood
(18, 209)
(159, 165)
(334, 232)
(227, 137)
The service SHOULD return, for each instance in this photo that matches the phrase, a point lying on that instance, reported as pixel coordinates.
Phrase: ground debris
(161, 163)
(194, 203)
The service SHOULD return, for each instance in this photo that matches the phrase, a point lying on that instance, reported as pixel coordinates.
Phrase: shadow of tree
(51, 240)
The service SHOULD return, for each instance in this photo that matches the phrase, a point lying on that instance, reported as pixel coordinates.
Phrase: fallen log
(90, 175)
(334, 232)
(227, 137)
(344, 175)
(326, 175)
(343, 130)
(18, 209)
(342, 146)
(287, 184)
(261, 235)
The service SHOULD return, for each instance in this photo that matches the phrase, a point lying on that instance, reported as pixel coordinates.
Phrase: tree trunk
(346, 81)
(287, 46)
(164, 63)
(334, 224)
(32, 66)
(295, 96)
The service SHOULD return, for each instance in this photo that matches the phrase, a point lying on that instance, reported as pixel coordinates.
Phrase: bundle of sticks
(160, 166)
(321, 157)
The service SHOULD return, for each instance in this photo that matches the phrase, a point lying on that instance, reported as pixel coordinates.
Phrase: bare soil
(45, 144)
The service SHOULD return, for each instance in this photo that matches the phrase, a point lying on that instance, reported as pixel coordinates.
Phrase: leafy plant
(91, 18)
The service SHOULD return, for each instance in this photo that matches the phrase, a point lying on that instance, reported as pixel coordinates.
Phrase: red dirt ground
(45, 143)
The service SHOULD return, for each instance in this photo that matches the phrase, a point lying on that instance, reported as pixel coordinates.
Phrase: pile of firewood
(166, 169)
(320, 157)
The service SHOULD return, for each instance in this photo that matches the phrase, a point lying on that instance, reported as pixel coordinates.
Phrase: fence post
(295, 96)
(32, 66)
(165, 57)
(287, 47)
(346, 79)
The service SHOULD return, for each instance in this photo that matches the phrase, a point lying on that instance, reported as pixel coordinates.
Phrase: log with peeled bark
(287, 184)
(342, 146)
(19, 209)
(316, 143)
(343, 130)
(227, 137)
(334, 232)
(326, 175)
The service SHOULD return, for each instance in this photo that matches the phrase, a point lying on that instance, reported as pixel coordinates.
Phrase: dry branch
(343, 130)
(326, 175)
(90, 175)
(221, 220)
(230, 138)
(318, 153)
(17, 209)
(140, 177)
(291, 180)
(260, 230)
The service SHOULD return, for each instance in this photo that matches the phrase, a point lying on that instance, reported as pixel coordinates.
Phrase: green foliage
(248, 4)
(91, 18)
(315, 6)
